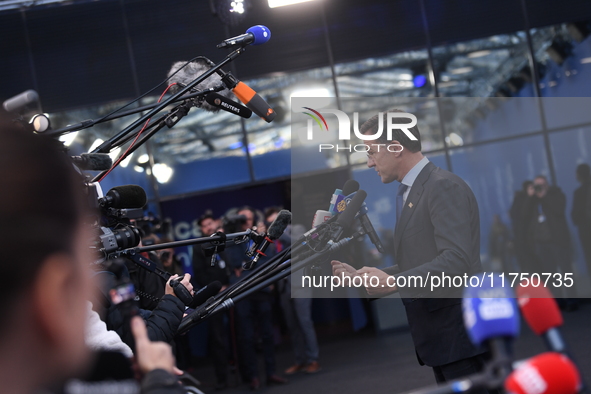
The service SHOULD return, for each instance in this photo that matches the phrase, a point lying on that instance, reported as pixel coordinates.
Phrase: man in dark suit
(437, 230)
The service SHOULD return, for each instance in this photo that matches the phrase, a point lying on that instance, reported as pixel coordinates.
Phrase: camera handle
(179, 289)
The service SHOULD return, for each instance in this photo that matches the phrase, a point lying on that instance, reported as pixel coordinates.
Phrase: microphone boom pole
(106, 146)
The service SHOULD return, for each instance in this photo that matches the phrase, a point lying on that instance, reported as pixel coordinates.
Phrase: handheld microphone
(547, 373)
(205, 293)
(93, 161)
(352, 186)
(275, 231)
(541, 312)
(491, 318)
(127, 196)
(320, 217)
(218, 101)
(333, 201)
(20, 101)
(255, 35)
(346, 218)
(252, 100)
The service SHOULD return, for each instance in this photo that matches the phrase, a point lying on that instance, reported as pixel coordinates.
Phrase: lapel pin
(410, 204)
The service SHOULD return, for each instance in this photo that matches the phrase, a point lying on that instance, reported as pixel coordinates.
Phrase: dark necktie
(400, 200)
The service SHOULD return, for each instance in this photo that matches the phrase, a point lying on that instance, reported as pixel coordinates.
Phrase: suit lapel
(410, 205)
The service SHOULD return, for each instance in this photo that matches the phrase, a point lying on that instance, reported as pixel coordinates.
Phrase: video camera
(116, 209)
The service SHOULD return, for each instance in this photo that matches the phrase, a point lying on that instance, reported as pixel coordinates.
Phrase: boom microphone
(255, 35)
(218, 101)
(275, 231)
(547, 373)
(127, 196)
(93, 161)
(189, 73)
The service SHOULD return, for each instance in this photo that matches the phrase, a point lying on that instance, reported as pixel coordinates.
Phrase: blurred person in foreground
(44, 306)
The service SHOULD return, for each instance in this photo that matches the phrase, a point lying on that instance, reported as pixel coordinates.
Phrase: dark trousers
(217, 345)
(256, 309)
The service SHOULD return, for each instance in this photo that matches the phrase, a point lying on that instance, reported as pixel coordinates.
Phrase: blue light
(235, 145)
(419, 81)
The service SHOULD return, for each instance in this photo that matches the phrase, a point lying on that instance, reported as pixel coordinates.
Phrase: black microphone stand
(114, 141)
(276, 269)
(120, 114)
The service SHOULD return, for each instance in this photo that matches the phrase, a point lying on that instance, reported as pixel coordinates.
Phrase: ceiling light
(281, 3)
(143, 158)
(237, 6)
(162, 172)
(477, 54)
(456, 139)
(138, 169)
(448, 84)
(461, 70)
(126, 161)
(312, 92)
(67, 139)
(586, 60)
(95, 144)
(114, 153)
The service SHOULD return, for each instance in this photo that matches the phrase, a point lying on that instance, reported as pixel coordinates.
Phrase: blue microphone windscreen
(261, 34)
(489, 308)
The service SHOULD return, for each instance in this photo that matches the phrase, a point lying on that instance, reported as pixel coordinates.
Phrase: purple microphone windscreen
(261, 34)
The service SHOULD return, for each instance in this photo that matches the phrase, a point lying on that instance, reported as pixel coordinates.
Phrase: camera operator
(206, 273)
(44, 306)
(548, 235)
(162, 322)
(169, 260)
(253, 310)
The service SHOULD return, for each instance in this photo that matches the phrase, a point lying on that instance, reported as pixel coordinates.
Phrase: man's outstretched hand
(150, 355)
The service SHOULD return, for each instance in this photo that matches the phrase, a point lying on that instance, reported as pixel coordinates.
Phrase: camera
(538, 188)
(233, 223)
(115, 211)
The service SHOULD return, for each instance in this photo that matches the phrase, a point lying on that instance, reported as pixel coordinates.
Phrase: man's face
(386, 163)
(249, 218)
(540, 187)
(80, 290)
(208, 227)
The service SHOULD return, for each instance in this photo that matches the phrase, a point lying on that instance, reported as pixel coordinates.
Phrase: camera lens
(127, 237)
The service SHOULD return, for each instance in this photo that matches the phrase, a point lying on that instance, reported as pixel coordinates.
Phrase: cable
(151, 90)
(136, 137)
